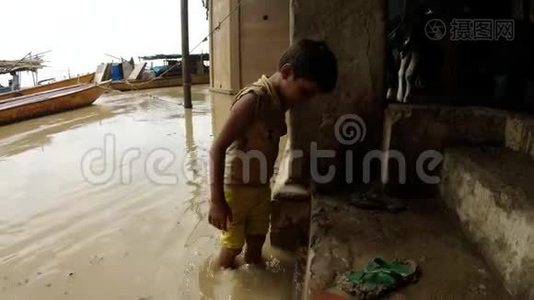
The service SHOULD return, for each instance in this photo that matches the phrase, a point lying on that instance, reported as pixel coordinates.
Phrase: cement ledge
(344, 238)
(490, 191)
(290, 209)
(283, 189)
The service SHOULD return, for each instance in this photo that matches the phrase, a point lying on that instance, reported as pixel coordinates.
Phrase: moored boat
(147, 76)
(47, 87)
(49, 102)
(131, 85)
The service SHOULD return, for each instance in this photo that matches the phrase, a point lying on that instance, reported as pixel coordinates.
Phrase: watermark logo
(350, 129)
(435, 29)
(471, 29)
(161, 166)
(105, 164)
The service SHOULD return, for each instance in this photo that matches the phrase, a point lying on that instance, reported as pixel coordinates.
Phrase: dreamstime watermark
(471, 29)
(101, 165)
(350, 129)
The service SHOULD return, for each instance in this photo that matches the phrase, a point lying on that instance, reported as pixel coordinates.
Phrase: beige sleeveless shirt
(250, 159)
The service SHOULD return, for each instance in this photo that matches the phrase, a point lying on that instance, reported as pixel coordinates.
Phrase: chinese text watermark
(471, 29)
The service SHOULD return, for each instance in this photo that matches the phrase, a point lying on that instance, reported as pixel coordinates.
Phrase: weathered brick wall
(354, 30)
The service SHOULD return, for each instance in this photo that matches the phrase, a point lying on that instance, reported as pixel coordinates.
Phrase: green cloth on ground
(378, 277)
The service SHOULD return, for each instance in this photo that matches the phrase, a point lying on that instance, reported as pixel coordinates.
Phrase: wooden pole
(186, 75)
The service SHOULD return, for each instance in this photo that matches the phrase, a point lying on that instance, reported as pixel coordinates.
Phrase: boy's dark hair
(314, 61)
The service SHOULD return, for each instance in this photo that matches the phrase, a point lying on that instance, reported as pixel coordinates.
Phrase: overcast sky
(80, 32)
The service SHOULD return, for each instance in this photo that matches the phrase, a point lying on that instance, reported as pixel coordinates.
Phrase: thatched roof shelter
(204, 56)
(27, 64)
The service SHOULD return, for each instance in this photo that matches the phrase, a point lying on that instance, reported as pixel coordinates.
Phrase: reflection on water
(38, 132)
(63, 237)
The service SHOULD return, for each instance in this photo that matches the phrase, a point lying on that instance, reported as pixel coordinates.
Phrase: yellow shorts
(251, 211)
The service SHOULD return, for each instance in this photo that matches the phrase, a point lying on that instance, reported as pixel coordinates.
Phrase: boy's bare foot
(239, 261)
(253, 251)
(227, 258)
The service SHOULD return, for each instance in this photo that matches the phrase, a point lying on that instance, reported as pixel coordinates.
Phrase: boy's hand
(220, 214)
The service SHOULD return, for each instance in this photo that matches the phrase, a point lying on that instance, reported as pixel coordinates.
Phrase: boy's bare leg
(253, 250)
(227, 258)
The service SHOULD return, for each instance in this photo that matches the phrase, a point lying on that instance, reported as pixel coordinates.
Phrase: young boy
(244, 153)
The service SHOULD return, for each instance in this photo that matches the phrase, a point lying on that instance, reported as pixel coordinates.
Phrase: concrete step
(491, 190)
(344, 238)
(418, 128)
(519, 134)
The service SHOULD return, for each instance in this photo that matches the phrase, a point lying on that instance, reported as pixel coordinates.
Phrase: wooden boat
(132, 85)
(49, 102)
(47, 87)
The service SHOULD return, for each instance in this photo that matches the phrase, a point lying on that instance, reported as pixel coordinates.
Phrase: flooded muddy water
(110, 202)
